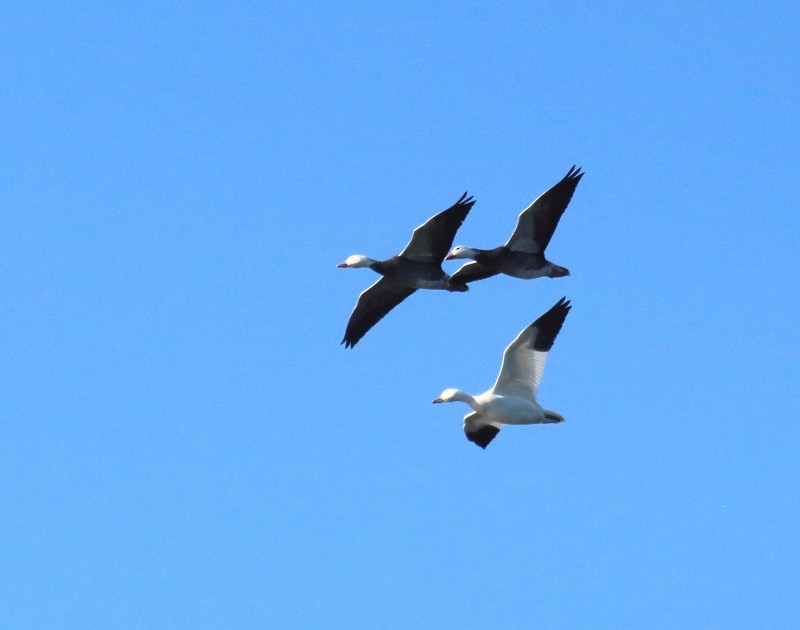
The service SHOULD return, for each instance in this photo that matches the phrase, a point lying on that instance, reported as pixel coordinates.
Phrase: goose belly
(526, 273)
(512, 410)
(524, 265)
(420, 275)
(421, 283)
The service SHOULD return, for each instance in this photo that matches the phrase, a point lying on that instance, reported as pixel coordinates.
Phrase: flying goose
(418, 266)
(512, 399)
(523, 255)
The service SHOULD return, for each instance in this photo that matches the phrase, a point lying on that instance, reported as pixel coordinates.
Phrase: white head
(356, 260)
(449, 395)
(460, 251)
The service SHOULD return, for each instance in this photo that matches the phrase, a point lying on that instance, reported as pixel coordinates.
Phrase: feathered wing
(432, 240)
(373, 304)
(471, 272)
(538, 221)
(524, 359)
(480, 431)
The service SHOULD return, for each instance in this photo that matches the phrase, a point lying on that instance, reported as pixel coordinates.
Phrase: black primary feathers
(373, 304)
(482, 436)
(548, 325)
(432, 240)
(540, 219)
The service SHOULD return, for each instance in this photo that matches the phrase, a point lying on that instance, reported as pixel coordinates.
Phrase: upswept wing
(538, 221)
(479, 431)
(523, 360)
(373, 304)
(432, 240)
(471, 272)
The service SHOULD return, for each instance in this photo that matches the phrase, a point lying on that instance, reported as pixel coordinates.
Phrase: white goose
(512, 399)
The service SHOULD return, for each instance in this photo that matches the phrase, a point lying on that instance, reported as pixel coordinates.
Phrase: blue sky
(183, 441)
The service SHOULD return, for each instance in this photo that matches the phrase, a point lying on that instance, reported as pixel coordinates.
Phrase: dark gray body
(416, 274)
(505, 260)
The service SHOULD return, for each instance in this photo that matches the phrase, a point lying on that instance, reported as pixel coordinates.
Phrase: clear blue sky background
(183, 441)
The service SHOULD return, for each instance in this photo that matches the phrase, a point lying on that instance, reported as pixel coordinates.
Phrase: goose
(418, 266)
(512, 399)
(523, 255)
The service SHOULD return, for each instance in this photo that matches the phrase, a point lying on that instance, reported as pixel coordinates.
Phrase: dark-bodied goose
(418, 266)
(523, 255)
(512, 399)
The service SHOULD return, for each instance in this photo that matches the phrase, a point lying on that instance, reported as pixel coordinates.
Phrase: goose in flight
(523, 255)
(418, 266)
(512, 399)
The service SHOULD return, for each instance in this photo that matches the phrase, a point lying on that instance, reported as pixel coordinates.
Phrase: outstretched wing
(372, 306)
(479, 431)
(471, 272)
(538, 221)
(431, 241)
(523, 360)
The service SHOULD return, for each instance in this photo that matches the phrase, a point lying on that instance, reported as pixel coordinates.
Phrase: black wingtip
(563, 302)
(549, 325)
(483, 436)
(574, 173)
(465, 200)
